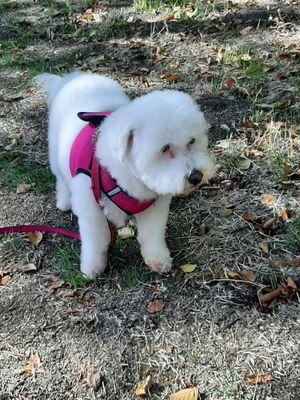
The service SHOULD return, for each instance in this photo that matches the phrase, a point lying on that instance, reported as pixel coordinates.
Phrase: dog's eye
(165, 148)
(192, 141)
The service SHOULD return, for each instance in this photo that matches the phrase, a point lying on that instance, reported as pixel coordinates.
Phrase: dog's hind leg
(93, 227)
(151, 235)
(63, 194)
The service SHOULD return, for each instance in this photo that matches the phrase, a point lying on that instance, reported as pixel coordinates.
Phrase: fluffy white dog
(154, 147)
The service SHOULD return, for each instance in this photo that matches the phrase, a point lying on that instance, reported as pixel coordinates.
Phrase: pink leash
(38, 228)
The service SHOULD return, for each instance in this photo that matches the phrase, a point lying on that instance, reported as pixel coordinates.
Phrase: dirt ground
(62, 337)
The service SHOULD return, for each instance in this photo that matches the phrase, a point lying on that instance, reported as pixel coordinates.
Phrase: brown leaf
(284, 214)
(244, 275)
(186, 394)
(169, 17)
(293, 262)
(144, 386)
(268, 199)
(257, 378)
(248, 217)
(35, 237)
(268, 224)
(291, 283)
(54, 285)
(229, 83)
(29, 369)
(155, 306)
(287, 169)
(264, 246)
(23, 188)
(266, 298)
(5, 280)
(171, 77)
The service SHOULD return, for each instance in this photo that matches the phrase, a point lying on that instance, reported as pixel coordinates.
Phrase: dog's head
(161, 137)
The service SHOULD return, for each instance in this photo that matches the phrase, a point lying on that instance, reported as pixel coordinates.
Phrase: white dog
(154, 147)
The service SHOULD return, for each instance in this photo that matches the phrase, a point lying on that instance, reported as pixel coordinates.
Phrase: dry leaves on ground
(268, 199)
(23, 188)
(155, 306)
(186, 394)
(244, 275)
(35, 237)
(5, 280)
(188, 267)
(30, 368)
(144, 386)
(54, 285)
(254, 379)
(284, 291)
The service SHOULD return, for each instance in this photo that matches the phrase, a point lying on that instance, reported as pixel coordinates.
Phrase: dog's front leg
(93, 227)
(151, 235)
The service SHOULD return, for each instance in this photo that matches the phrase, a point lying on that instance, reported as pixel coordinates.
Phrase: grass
(15, 172)
(66, 263)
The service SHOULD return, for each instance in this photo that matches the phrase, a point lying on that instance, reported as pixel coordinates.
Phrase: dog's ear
(124, 144)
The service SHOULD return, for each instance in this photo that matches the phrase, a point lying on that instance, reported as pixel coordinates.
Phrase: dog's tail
(51, 84)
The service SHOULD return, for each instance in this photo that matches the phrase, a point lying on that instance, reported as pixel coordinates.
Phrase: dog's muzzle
(195, 177)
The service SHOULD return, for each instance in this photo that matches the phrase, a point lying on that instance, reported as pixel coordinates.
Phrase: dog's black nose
(195, 177)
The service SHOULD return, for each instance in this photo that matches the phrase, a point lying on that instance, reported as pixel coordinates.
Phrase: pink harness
(83, 160)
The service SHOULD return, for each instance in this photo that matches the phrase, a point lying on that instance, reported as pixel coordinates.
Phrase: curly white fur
(129, 146)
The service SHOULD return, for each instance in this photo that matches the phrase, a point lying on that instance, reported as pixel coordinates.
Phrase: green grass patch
(33, 65)
(66, 263)
(17, 171)
(14, 5)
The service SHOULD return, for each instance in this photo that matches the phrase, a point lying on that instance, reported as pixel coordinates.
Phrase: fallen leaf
(243, 164)
(264, 246)
(125, 232)
(171, 77)
(188, 267)
(257, 378)
(291, 283)
(23, 188)
(27, 267)
(245, 275)
(203, 229)
(54, 285)
(229, 83)
(284, 214)
(155, 306)
(268, 224)
(186, 394)
(224, 212)
(293, 263)
(248, 217)
(29, 369)
(256, 153)
(287, 169)
(5, 280)
(266, 298)
(35, 237)
(144, 386)
(268, 199)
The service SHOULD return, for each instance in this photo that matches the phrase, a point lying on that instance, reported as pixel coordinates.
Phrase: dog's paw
(63, 205)
(91, 271)
(160, 263)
